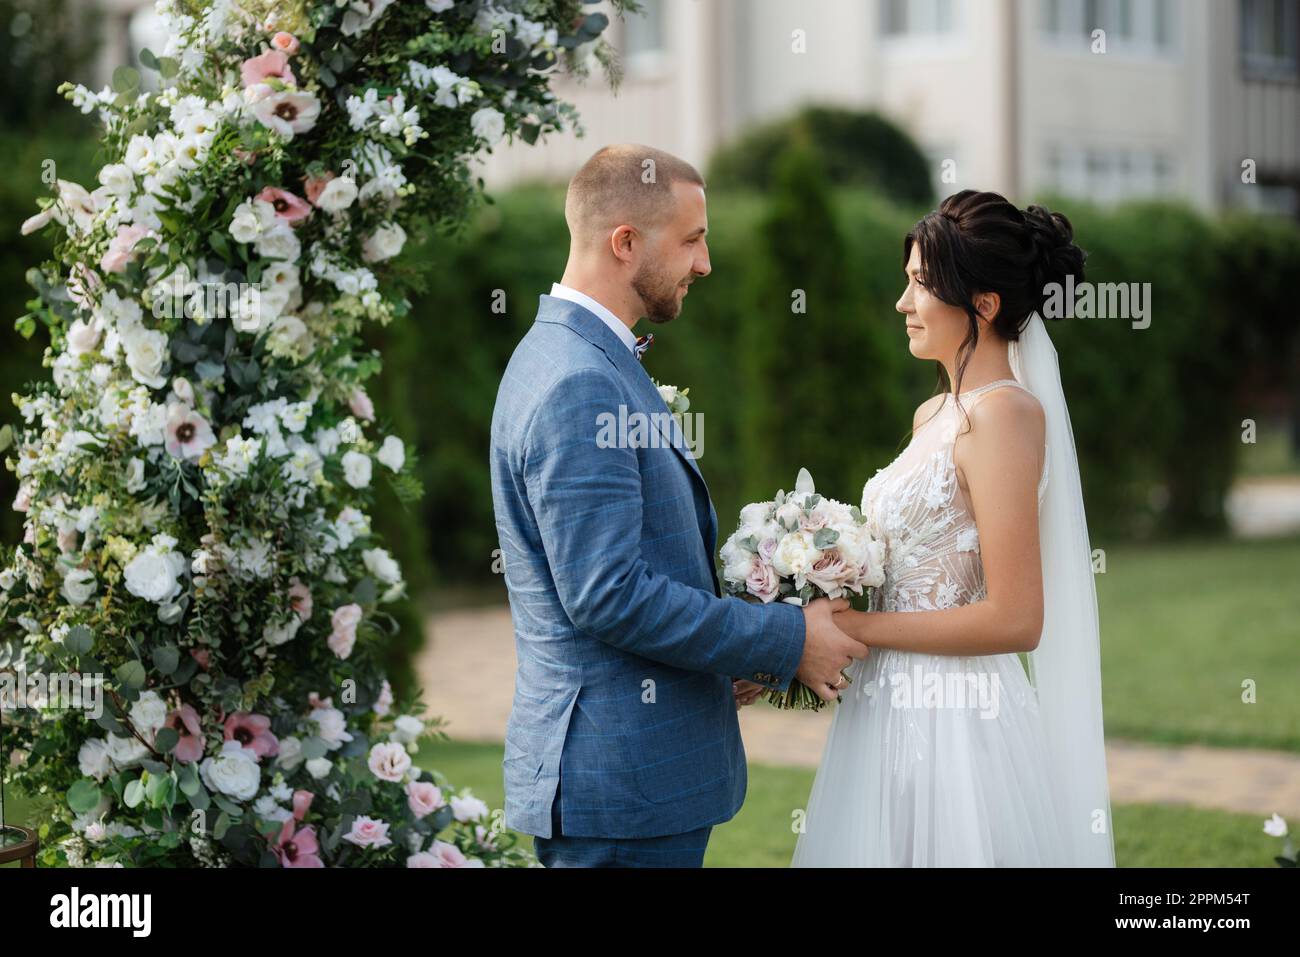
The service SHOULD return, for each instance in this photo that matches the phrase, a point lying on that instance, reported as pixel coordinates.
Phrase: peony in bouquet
(797, 548)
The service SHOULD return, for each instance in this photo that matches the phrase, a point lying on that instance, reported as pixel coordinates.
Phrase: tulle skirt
(933, 761)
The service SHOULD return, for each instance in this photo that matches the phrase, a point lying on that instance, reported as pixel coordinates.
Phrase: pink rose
(449, 855)
(762, 581)
(830, 572)
(423, 797)
(23, 500)
(185, 722)
(368, 832)
(84, 285)
(67, 539)
(389, 761)
(300, 598)
(344, 635)
(285, 42)
(815, 520)
(385, 700)
(273, 64)
(120, 247)
(361, 406)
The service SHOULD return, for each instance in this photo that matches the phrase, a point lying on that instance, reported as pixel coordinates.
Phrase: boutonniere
(673, 397)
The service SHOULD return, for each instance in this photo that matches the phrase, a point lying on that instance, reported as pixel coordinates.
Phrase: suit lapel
(581, 321)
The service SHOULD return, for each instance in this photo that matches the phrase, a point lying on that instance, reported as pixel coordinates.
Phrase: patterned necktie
(642, 344)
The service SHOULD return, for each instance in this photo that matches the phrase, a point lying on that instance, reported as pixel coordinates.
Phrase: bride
(943, 752)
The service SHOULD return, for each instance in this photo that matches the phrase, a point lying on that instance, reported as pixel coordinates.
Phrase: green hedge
(1156, 411)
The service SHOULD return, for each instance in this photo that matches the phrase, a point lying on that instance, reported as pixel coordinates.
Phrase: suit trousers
(671, 850)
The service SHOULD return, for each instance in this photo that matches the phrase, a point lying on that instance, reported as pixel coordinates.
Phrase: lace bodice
(915, 506)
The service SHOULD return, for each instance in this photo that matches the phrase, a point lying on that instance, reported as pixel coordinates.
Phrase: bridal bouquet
(797, 548)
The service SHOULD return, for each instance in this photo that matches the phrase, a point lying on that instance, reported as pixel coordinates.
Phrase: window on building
(1108, 175)
(644, 32)
(918, 17)
(1270, 34)
(1132, 26)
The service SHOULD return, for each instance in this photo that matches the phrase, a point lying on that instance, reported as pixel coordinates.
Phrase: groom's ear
(622, 242)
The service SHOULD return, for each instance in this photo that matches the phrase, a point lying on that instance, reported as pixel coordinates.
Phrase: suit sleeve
(588, 507)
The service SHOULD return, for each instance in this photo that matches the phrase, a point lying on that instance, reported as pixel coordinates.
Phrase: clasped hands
(827, 651)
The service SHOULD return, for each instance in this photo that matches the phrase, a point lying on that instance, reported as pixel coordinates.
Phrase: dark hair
(979, 242)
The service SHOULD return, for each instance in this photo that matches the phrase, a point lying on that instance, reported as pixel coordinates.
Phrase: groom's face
(675, 255)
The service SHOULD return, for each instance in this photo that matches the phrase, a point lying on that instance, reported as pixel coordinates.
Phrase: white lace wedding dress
(912, 777)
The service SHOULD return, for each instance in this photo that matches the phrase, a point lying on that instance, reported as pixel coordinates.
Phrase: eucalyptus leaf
(166, 658)
(131, 674)
(84, 796)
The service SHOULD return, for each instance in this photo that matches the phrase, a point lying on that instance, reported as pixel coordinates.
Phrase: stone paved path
(468, 666)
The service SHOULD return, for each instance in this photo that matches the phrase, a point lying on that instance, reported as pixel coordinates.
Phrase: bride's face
(935, 329)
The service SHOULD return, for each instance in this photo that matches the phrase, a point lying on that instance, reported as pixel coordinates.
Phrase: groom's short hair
(624, 183)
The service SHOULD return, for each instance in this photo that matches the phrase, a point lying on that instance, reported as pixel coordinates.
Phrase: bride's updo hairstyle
(979, 242)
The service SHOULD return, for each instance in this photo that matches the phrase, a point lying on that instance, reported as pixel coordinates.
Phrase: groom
(623, 746)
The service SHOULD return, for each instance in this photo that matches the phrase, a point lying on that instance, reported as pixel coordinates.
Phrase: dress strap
(992, 385)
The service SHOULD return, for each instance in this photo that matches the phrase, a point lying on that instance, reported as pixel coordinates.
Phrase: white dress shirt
(611, 320)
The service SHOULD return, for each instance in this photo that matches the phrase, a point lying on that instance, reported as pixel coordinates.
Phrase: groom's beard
(658, 293)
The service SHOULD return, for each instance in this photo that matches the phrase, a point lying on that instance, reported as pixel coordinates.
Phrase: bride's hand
(746, 692)
(855, 624)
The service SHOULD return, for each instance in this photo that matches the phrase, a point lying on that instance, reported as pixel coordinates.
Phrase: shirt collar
(582, 299)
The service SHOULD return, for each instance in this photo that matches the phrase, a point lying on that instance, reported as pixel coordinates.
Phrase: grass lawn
(760, 835)
(1183, 626)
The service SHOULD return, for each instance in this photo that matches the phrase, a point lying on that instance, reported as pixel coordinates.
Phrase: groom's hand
(826, 650)
(746, 692)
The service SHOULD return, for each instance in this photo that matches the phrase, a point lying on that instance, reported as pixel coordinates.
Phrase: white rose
(319, 767)
(392, 453)
(78, 585)
(468, 809)
(290, 755)
(126, 752)
(152, 575)
(82, 337)
(384, 243)
(118, 179)
(233, 772)
(338, 194)
(736, 561)
(146, 351)
(789, 515)
(380, 564)
(794, 555)
(280, 242)
(755, 515)
(488, 124)
(93, 759)
(331, 726)
(246, 225)
(356, 469)
(149, 713)
(406, 729)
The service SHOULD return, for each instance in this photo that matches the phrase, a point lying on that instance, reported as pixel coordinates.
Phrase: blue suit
(626, 652)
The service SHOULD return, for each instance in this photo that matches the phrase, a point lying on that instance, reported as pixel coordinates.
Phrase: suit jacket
(626, 652)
